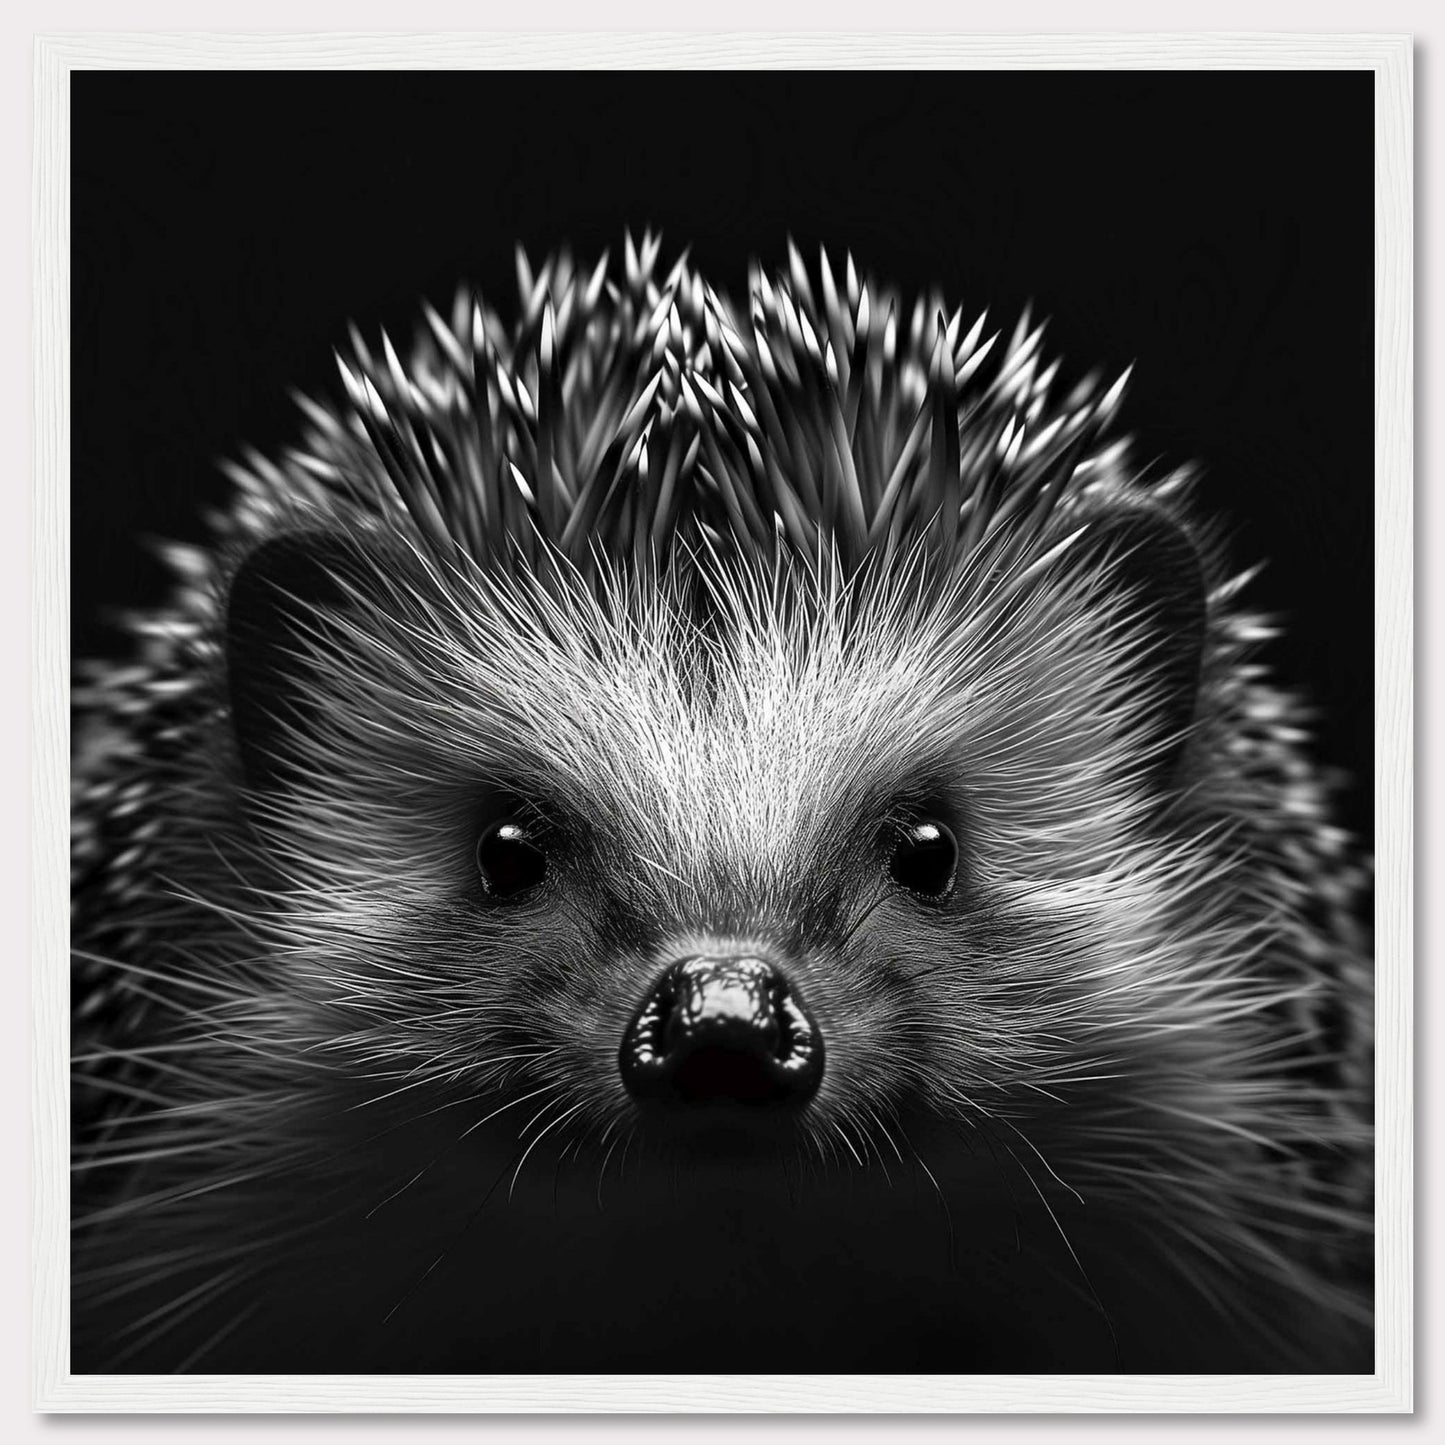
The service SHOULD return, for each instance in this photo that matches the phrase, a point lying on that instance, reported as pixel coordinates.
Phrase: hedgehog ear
(1145, 552)
(277, 613)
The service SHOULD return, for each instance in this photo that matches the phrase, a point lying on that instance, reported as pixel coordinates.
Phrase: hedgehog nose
(728, 1030)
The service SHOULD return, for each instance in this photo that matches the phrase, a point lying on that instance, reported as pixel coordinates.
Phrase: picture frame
(1389, 1388)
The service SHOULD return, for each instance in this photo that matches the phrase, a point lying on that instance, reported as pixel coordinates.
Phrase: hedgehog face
(839, 840)
(778, 735)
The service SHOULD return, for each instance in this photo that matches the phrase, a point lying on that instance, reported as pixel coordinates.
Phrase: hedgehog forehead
(761, 741)
(755, 741)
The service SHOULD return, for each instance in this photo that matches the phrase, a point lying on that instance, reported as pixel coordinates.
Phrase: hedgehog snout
(722, 1030)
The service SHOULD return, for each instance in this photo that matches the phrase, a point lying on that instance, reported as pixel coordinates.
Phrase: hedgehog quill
(668, 835)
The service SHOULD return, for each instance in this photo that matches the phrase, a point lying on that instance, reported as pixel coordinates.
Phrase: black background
(1216, 229)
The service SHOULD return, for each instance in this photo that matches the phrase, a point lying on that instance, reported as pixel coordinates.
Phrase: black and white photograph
(722, 722)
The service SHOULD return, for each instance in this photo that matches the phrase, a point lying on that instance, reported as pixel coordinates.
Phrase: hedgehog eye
(510, 859)
(925, 859)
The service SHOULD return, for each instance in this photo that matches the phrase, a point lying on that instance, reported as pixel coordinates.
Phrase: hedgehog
(676, 836)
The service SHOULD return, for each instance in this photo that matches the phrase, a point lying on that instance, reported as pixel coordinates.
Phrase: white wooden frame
(1390, 1387)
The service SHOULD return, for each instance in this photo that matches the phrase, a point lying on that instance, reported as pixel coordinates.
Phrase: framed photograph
(738, 726)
